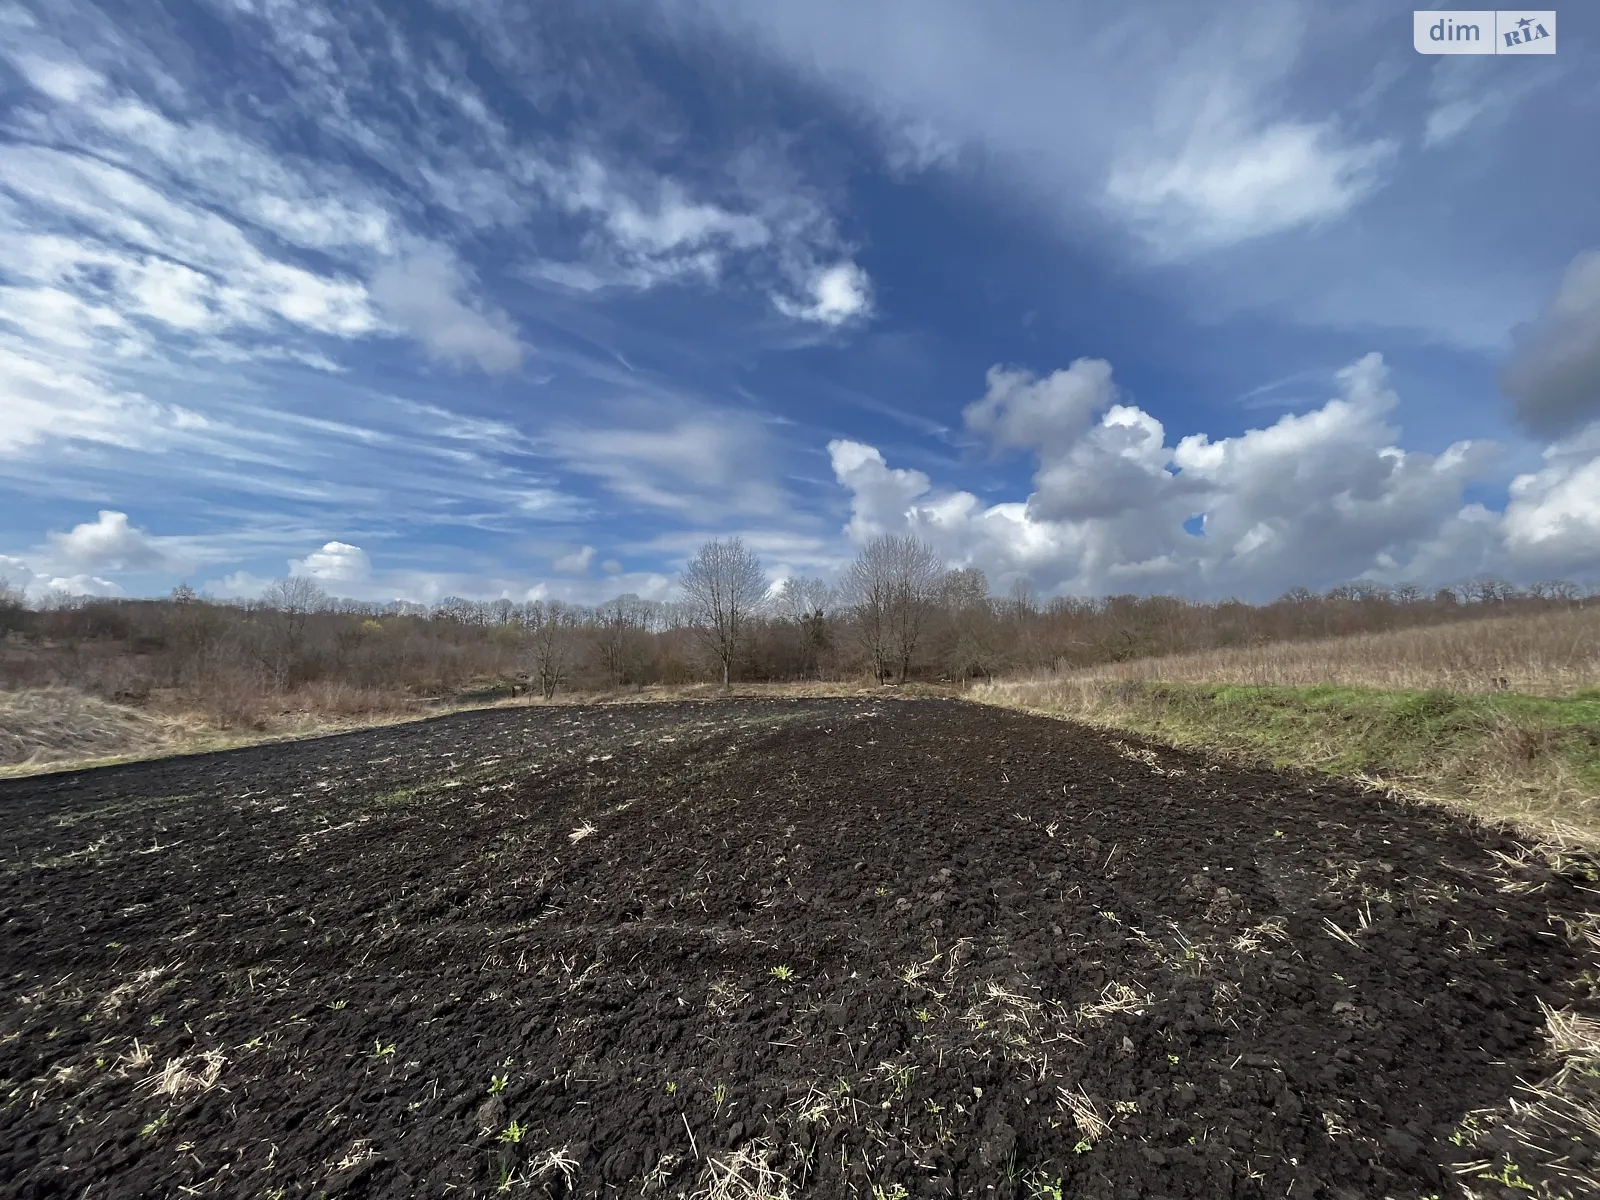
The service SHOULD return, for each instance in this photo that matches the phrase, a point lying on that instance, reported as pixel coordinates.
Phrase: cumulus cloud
(1313, 498)
(1553, 377)
(575, 563)
(428, 295)
(110, 543)
(336, 562)
(1552, 520)
(1019, 411)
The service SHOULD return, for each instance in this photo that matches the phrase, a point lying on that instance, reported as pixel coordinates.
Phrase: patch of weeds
(513, 1133)
(379, 1050)
(782, 973)
(497, 1084)
(1510, 1175)
(672, 1087)
(339, 1005)
(1042, 1187)
(156, 1126)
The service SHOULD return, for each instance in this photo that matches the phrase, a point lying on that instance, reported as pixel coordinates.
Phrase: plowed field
(814, 948)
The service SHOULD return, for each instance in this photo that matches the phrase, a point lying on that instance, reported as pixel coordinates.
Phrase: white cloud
(110, 543)
(883, 498)
(575, 563)
(1313, 498)
(116, 238)
(1232, 181)
(82, 585)
(1019, 411)
(835, 295)
(239, 585)
(1177, 125)
(43, 402)
(336, 562)
(1552, 521)
(426, 295)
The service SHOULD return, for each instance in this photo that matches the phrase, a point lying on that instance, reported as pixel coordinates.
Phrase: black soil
(823, 948)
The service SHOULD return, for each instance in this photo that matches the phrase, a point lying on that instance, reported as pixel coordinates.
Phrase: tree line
(895, 613)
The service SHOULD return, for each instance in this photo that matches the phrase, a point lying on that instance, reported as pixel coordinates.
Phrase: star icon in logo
(1525, 22)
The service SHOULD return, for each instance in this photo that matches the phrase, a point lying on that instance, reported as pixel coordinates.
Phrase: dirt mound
(821, 948)
(58, 725)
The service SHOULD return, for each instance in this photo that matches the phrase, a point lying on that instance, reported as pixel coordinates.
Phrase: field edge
(1527, 763)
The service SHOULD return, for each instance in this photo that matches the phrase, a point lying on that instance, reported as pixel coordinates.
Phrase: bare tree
(805, 604)
(968, 646)
(892, 586)
(723, 587)
(554, 628)
(13, 606)
(289, 603)
(617, 628)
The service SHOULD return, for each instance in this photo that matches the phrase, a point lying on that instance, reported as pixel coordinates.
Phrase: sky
(489, 298)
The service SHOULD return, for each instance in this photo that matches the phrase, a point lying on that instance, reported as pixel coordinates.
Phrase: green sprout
(497, 1084)
(1511, 1176)
(783, 973)
(512, 1133)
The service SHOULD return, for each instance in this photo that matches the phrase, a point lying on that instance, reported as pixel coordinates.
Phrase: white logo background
(1484, 31)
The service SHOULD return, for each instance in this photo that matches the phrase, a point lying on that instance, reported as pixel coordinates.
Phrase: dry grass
(50, 724)
(59, 729)
(1543, 654)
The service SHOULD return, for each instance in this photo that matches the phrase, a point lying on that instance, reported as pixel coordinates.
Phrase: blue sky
(499, 299)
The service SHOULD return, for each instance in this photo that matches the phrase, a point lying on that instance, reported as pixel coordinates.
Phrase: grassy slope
(1520, 758)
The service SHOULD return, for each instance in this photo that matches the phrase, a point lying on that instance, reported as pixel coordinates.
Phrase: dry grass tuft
(1571, 1034)
(1085, 1114)
(743, 1175)
(186, 1073)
